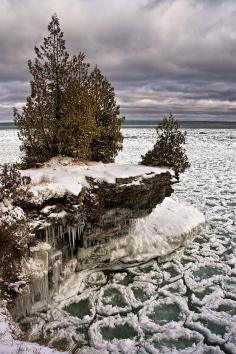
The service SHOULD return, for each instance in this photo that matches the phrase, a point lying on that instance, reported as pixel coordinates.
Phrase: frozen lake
(186, 301)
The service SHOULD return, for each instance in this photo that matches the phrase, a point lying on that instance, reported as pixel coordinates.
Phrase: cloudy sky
(160, 55)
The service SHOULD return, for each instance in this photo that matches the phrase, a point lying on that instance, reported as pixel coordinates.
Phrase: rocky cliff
(73, 211)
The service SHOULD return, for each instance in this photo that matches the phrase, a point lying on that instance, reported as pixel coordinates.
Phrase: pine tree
(70, 111)
(168, 150)
(78, 128)
(106, 147)
(44, 110)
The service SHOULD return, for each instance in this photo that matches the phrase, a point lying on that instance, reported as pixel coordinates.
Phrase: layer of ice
(160, 233)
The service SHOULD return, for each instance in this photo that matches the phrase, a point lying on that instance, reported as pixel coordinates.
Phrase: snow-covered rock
(62, 175)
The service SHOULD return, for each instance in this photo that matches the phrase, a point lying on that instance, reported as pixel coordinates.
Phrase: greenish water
(179, 344)
(118, 332)
(113, 297)
(165, 313)
(80, 309)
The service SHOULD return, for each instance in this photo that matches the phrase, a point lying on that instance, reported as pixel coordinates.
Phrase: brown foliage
(12, 184)
(70, 111)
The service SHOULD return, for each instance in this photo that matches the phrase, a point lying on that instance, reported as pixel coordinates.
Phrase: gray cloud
(161, 55)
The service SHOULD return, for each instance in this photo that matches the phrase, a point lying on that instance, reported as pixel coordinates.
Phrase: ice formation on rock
(160, 233)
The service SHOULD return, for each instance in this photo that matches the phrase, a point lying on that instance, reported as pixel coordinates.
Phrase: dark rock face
(140, 193)
(111, 208)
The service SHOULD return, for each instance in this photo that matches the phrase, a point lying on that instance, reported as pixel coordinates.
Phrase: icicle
(80, 230)
(73, 237)
(63, 232)
(59, 232)
(46, 232)
(53, 233)
(69, 232)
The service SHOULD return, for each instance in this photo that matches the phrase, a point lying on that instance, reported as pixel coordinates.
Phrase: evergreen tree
(69, 111)
(106, 147)
(41, 116)
(168, 150)
(79, 127)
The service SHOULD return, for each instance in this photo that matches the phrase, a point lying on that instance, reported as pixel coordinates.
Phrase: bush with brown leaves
(12, 184)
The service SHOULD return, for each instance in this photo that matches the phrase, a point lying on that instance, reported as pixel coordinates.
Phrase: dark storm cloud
(161, 55)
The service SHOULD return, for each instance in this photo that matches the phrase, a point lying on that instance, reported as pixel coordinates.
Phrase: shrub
(14, 232)
(13, 247)
(168, 149)
(10, 181)
(12, 184)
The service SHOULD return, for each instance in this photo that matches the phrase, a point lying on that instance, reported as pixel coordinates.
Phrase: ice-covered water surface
(183, 303)
(9, 146)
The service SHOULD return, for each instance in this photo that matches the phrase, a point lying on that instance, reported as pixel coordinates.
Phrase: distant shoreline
(183, 124)
(153, 124)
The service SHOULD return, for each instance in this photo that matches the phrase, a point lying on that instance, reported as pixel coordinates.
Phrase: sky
(161, 56)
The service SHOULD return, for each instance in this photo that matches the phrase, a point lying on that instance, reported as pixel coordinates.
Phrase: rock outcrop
(110, 208)
(73, 212)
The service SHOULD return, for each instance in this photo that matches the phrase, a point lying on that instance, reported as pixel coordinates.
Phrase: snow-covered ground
(61, 175)
(9, 146)
(184, 302)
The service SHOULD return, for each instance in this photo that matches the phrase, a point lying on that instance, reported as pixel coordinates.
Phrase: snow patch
(63, 176)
